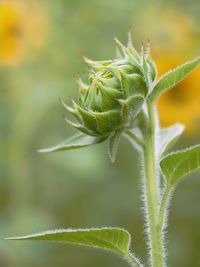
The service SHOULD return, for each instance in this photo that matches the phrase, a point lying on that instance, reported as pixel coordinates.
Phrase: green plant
(120, 100)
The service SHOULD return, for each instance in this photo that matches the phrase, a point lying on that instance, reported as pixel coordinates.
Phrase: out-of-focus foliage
(41, 43)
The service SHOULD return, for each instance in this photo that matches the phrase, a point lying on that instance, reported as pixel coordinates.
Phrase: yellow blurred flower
(172, 34)
(168, 28)
(23, 27)
(182, 103)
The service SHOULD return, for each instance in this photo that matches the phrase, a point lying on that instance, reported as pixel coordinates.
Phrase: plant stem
(152, 191)
(162, 209)
(134, 261)
(162, 212)
(134, 138)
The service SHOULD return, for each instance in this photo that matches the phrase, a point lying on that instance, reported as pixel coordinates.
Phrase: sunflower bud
(115, 92)
(111, 102)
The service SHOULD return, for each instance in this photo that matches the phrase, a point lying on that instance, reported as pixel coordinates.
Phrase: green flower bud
(115, 92)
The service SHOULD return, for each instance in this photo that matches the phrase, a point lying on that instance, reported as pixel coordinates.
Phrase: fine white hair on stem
(157, 152)
(165, 220)
(144, 208)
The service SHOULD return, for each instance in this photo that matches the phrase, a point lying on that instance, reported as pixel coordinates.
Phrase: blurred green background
(41, 48)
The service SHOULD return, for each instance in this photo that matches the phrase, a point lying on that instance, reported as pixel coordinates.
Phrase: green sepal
(153, 68)
(128, 52)
(129, 68)
(135, 103)
(93, 100)
(113, 144)
(108, 121)
(83, 91)
(107, 97)
(130, 48)
(133, 84)
(148, 73)
(88, 119)
(145, 68)
(110, 92)
(71, 110)
(121, 47)
(111, 82)
(97, 64)
(77, 141)
(113, 69)
(101, 101)
(131, 107)
(80, 127)
(119, 54)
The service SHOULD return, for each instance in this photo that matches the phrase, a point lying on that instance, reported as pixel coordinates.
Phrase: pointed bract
(113, 144)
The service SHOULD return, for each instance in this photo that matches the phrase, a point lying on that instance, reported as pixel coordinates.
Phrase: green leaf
(173, 77)
(179, 164)
(169, 136)
(76, 141)
(115, 240)
(113, 145)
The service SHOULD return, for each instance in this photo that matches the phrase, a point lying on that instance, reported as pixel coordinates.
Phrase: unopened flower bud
(115, 92)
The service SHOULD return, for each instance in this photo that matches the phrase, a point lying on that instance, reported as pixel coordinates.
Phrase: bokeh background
(41, 48)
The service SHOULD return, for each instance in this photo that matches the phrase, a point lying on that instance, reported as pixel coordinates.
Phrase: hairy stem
(134, 262)
(134, 138)
(162, 213)
(152, 191)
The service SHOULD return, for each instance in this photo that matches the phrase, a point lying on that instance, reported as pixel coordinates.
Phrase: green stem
(162, 212)
(134, 138)
(134, 261)
(152, 191)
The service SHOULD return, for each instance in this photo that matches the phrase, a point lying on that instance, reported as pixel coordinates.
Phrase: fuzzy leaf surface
(169, 136)
(115, 240)
(179, 164)
(173, 77)
(76, 141)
